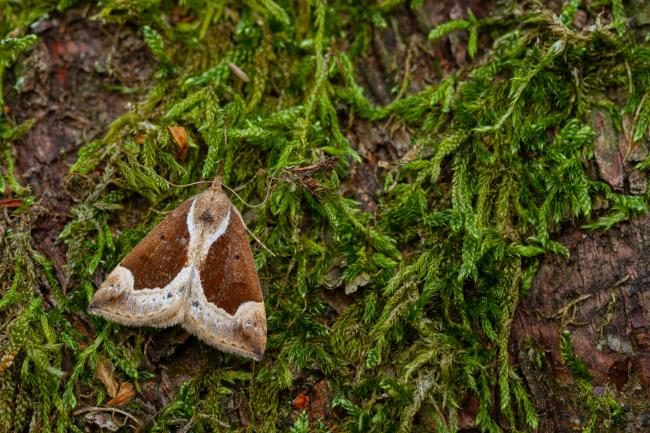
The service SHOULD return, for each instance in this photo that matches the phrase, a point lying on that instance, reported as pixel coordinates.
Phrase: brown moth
(194, 268)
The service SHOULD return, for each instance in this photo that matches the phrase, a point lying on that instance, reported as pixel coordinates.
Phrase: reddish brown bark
(601, 295)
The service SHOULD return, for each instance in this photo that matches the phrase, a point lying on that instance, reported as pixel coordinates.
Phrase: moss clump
(502, 158)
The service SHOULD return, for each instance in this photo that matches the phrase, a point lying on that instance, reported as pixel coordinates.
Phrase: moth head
(211, 207)
(216, 183)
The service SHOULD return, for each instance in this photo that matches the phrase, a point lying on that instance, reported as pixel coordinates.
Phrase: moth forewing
(195, 268)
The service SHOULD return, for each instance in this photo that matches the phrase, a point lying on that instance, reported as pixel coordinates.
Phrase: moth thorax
(206, 216)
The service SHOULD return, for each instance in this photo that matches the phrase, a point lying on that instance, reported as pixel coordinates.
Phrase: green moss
(503, 156)
(601, 410)
(30, 364)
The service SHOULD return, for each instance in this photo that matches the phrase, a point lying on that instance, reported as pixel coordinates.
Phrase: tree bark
(600, 295)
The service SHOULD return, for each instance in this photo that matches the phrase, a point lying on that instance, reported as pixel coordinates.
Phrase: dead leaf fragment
(103, 420)
(104, 372)
(411, 154)
(301, 401)
(632, 153)
(239, 72)
(7, 361)
(360, 280)
(608, 158)
(180, 137)
(124, 395)
(11, 202)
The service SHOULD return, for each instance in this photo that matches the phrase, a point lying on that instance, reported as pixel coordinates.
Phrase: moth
(195, 268)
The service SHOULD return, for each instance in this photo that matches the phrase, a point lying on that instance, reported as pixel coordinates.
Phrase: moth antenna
(266, 197)
(250, 232)
(258, 240)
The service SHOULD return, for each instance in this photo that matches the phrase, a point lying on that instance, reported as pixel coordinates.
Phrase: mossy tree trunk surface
(455, 193)
(599, 296)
